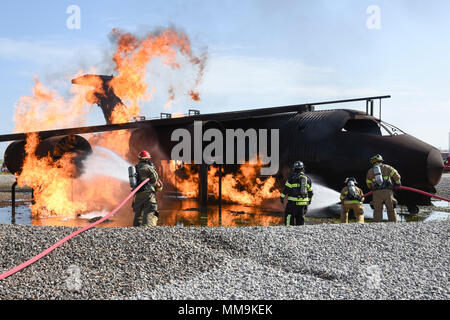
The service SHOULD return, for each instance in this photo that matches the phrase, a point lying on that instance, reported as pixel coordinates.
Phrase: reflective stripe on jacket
(292, 190)
(388, 173)
(346, 196)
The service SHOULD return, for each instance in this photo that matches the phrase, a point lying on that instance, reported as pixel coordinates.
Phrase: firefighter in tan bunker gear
(352, 198)
(382, 179)
(144, 204)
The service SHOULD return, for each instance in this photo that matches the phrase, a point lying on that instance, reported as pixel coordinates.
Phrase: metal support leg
(220, 194)
(203, 194)
(203, 185)
(13, 202)
(379, 116)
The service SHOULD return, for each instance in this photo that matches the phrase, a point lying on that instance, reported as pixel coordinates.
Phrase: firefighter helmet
(376, 158)
(298, 165)
(144, 155)
(350, 179)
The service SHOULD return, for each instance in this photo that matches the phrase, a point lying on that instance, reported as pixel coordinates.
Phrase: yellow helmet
(376, 158)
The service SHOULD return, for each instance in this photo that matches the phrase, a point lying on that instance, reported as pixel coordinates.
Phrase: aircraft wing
(221, 116)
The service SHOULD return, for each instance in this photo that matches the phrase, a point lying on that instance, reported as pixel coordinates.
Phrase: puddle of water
(22, 216)
(172, 212)
(335, 210)
(441, 203)
(368, 212)
(437, 216)
(186, 212)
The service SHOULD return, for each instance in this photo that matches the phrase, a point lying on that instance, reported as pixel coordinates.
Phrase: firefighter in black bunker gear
(299, 193)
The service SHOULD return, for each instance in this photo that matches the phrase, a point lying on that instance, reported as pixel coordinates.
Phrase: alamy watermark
(374, 19)
(73, 280)
(213, 153)
(373, 277)
(73, 22)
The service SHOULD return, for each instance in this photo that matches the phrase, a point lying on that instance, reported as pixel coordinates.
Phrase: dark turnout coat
(292, 190)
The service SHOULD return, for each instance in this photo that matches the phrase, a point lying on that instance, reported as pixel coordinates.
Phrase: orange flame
(51, 181)
(132, 56)
(244, 187)
(182, 177)
(117, 141)
(45, 109)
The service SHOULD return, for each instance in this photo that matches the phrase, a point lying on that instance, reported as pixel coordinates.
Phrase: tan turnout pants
(145, 219)
(358, 210)
(145, 209)
(386, 197)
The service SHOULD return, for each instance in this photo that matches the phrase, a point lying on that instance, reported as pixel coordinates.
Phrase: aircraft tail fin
(103, 94)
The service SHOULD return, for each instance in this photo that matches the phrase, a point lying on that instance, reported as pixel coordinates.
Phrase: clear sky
(260, 53)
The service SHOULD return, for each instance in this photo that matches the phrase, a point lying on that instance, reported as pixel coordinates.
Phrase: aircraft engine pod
(53, 146)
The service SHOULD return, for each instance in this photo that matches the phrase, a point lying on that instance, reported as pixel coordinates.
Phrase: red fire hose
(415, 190)
(70, 236)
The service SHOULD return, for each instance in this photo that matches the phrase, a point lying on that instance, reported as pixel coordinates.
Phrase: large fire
(58, 191)
(45, 109)
(132, 57)
(244, 186)
(51, 181)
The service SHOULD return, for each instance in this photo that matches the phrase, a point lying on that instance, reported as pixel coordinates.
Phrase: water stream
(105, 162)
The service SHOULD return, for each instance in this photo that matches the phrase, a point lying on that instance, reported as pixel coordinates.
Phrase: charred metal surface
(55, 147)
(14, 156)
(203, 185)
(13, 202)
(103, 94)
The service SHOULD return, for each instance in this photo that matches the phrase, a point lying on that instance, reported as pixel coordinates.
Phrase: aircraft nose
(435, 166)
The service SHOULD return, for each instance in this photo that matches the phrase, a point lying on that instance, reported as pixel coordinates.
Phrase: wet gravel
(329, 261)
(443, 188)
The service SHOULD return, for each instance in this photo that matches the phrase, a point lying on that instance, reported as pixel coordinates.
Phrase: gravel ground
(370, 261)
(443, 188)
(328, 261)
